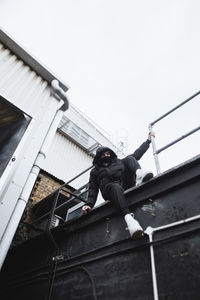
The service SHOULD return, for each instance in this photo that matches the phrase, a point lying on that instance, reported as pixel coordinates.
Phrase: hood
(100, 151)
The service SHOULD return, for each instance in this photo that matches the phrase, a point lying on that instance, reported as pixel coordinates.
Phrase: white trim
(11, 164)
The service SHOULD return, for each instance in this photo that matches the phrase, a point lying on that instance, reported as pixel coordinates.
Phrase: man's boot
(143, 176)
(133, 225)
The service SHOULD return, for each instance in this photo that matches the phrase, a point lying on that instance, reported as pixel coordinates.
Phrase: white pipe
(58, 90)
(51, 132)
(176, 223)
(25, 194)
(149, 231)
(60, 94)
(154, 152)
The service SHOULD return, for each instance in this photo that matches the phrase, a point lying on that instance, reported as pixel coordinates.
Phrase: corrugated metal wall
(20, 85)
(30, 93)
(65, 160)
(26, 90)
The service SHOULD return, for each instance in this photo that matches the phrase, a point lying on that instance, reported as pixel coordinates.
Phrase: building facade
(38, 132)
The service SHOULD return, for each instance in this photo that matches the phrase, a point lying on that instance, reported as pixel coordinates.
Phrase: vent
(70, 129)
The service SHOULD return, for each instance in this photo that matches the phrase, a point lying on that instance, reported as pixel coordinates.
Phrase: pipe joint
(149, 230)
(60, 94)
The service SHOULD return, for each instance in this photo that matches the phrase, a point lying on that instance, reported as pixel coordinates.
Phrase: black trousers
(114, 191)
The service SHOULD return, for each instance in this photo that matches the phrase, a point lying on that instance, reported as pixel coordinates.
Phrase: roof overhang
(29, 60)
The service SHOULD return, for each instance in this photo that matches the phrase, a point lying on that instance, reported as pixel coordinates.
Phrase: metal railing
(155, 151)
(51, 214)
(78, 194)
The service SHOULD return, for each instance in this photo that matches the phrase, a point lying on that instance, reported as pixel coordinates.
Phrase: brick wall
(44, 185)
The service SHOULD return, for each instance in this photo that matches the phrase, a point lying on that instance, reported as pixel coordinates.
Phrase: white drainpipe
(150, 231)
(26, 191)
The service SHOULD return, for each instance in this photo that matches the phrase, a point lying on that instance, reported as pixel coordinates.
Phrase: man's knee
(132, 161)
(131, 158)
(116, 187)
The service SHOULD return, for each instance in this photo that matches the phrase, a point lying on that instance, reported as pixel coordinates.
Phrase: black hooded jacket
(116, 171)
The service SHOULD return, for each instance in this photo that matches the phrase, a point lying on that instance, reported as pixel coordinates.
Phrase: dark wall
(98, 260)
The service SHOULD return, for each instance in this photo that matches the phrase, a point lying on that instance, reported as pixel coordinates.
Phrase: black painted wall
(100, 261)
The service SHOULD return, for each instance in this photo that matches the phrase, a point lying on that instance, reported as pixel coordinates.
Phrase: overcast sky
(126, 62)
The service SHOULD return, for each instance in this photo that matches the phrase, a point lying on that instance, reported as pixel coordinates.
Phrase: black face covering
(106, 161)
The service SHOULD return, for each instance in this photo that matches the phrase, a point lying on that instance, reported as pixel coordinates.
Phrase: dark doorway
(13, 124)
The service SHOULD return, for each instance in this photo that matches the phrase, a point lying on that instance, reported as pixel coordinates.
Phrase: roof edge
(28, 59)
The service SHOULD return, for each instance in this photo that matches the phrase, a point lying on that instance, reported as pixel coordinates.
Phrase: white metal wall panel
(22, 166)
(20, 85)
(65, 160)
(30, 93)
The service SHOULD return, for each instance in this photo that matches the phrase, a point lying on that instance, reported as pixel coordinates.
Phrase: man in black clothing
(113, 176)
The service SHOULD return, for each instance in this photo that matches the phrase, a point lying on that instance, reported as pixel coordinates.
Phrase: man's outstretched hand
(151, 133)
(85, 209)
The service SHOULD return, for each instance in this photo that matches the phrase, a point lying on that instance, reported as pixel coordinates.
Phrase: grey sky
(126, 62)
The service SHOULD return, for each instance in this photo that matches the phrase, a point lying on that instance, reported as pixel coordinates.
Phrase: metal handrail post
(51, 215)
(155, 155)
(156, 152)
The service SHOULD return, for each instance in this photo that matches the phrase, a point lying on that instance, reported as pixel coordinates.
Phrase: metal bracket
(58, 258)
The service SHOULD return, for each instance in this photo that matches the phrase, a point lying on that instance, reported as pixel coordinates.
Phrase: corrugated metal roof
(20, 85)
(29, 60)
(65, 160)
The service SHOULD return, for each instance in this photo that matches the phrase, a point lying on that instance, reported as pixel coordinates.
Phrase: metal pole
(58, 207)
(64, 184)
(178, 140)
(155, 151)
(48, 227)
(188, 220)
(176, 107)
(150, 231)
